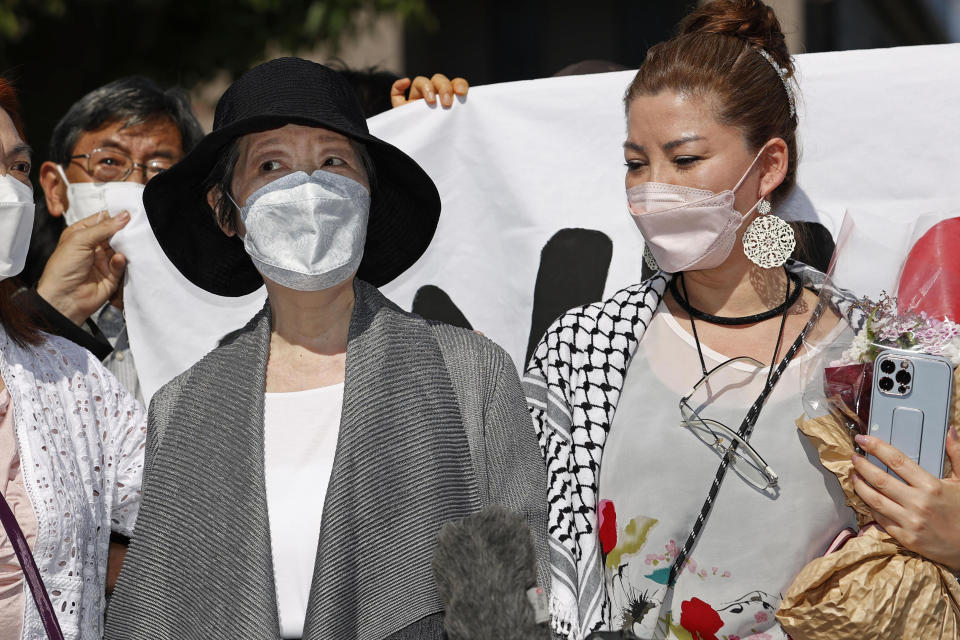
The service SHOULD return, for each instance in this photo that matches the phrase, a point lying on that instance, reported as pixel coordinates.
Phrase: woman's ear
(214, 198)
(773, 166)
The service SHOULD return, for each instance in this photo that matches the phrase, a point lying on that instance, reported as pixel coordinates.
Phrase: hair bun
(749, 20)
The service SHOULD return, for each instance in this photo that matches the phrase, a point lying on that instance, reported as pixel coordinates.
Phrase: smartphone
(910, 405)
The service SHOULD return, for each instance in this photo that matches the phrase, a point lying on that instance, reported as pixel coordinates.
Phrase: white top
(657, 474)
(81, 439)
(300, 430)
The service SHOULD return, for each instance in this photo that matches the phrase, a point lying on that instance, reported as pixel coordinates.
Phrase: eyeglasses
(742, 457)
(111, 165)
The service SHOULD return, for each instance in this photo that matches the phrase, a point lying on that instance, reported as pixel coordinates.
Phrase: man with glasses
(108, 145)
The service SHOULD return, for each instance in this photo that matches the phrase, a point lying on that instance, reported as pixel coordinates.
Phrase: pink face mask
(686, 228)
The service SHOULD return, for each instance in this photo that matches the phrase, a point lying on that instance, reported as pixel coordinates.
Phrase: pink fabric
(686, 228)
(13, 489)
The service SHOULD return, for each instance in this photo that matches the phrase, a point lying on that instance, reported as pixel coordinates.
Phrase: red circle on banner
(930, 280)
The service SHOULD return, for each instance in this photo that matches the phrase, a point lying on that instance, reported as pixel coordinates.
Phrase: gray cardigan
(434, 426)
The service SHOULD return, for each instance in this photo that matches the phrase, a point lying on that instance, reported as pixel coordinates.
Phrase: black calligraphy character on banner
(573, 271)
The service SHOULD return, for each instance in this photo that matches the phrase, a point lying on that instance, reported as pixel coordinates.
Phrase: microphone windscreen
(484, 565)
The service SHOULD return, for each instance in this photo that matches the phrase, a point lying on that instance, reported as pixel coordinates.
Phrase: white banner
(534, 217)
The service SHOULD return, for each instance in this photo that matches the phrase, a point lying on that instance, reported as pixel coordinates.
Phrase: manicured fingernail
(447, 100)
(862, 439)
(123, 215)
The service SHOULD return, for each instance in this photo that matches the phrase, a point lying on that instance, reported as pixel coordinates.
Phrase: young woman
(657, 524)
(71, 438)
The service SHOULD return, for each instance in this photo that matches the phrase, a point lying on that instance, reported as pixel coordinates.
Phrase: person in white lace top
(71, 438)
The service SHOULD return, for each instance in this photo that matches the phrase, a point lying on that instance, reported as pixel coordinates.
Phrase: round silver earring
(768, 241)
(649, 259)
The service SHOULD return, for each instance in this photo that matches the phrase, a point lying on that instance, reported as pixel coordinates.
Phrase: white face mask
(16, 225)
(88, 198)
(306, 232)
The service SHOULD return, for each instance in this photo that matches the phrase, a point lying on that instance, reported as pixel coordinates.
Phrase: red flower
(607, 520)
(700, 619)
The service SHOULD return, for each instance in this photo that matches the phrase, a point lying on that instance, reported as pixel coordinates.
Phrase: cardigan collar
(402, 469)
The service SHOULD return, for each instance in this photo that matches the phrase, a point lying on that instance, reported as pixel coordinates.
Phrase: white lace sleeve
(125, 434)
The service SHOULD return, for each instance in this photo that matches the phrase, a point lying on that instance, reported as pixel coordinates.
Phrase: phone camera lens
(887, 366)
(886, 383)
(902, 389)
(903, 377)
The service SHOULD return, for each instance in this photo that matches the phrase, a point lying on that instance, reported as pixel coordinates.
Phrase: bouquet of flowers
(906, 276)
(848, 380)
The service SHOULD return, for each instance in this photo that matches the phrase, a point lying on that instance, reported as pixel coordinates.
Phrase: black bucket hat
(404, 204)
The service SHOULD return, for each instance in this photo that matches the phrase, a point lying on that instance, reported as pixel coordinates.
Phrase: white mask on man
(87, 198)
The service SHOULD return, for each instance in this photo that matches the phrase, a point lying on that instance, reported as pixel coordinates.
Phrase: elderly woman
(683, 499)
(296, 477)
(71, 443)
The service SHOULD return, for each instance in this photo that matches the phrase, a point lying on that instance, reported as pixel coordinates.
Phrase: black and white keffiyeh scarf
(573, 383)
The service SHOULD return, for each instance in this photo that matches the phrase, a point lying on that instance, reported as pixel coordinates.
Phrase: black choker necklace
(791, 298)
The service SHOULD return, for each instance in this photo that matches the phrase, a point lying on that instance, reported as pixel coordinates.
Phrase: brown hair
(18, 324)
(716, 55)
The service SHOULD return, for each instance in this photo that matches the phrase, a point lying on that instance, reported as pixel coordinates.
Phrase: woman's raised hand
(922, 512)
